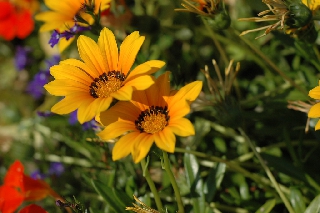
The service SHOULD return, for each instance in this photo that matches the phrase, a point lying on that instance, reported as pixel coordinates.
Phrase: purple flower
(56, 36)
(56, 168)
(44, 114)
(21, 57)
(35, 87)
(73, 120)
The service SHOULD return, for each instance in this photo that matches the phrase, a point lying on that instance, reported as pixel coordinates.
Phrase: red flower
(15, 21)
(33, 208)
(19, 187)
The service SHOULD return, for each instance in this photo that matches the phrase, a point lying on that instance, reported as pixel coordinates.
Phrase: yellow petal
(142, 146)
(65, 71)
(182, 127)
(101, 4)
(64, 43)
(88, 110)
(69, 103)
(65, 7)
(49, 16)
(128, 51)
(179, 109)
(123, 110)
(317, 127)
(141, 82)
(50, 26)
(123, 94)
(146, 68)
(116, 129)
(65, 87)
(123, 147)
(165, 140)
(315, 92)
(90, 54)
(314, 111)
(82, 66)
(189, 92)
(109, 49)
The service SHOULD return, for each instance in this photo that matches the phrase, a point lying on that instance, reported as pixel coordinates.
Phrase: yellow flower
(64, 14)
(154, 115)
(91, 85)
(314, 5)
(315, 109)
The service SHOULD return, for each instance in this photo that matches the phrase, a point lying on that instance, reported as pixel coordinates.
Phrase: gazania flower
(287, 16)
(104, 74)
(16, 18)
(315, 109)
(19, 187)
(66, 14)
(153, 115)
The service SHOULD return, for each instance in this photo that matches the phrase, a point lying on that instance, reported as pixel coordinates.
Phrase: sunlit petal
(123, 147)
(165, 140)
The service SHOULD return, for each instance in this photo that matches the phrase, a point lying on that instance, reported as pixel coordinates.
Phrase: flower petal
(124, 110)
(314, 111)
(65, 87)
(109, 49)
(82, 66)
(65, 71)
(123, 147)
(116, 129)
(128, 51)
(317, 127)
(64, 43)
(182, 127)
(146, 68)
(315, 92)
(141, 82)
(88, 109)
(142, 146)
(70, 103)
(123, 94)
(165, 140)
(90, 53)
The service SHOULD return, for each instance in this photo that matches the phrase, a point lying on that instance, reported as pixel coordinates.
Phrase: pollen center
(153, 120)
(106, 84)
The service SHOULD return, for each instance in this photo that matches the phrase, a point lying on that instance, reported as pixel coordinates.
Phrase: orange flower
(16, 18)
(19, 187)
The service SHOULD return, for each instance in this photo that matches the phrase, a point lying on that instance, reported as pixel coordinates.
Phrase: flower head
(91, 85)
(314, 112)
(288, 16)
(19, 187)
(16, 18)
(153, 115)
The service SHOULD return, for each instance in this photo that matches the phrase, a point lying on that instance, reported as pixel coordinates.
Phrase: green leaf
(314, 206)
(214, 180)
(267, 207)
(297, 201)
(117, 199)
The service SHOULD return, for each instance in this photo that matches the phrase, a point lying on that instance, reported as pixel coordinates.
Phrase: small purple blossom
(21, 57)
(44, 114)
(73, 120)
(56, 35)
(56, 168)
(35, 87)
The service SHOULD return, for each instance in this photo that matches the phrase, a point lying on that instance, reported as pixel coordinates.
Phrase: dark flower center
(106, 84)
(153, 120)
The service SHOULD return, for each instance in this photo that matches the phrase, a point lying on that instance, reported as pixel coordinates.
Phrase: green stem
(153, 188)
(273, 66)
(167, 167)
(269, 173)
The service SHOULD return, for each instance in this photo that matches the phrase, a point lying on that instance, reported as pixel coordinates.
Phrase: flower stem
(167, 167)
(269, 173)
(153, 188)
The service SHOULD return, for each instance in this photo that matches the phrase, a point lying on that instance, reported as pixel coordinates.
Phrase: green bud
(219, 21)
(300, 15)
(228, 113)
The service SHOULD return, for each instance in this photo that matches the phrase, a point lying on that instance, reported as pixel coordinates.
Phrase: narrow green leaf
(267, 207)
(117, 200)
(297, 201)
(314, 206)
(214, 180)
